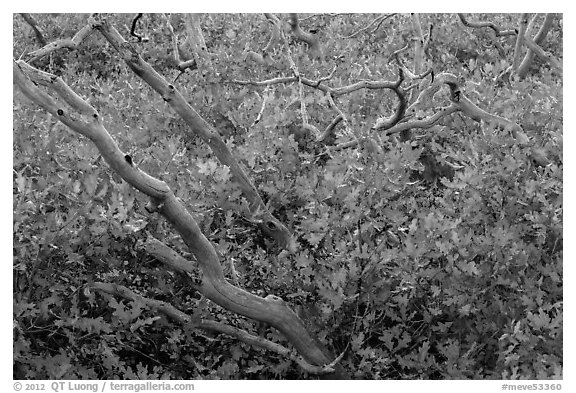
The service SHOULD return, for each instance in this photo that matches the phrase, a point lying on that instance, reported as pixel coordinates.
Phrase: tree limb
(70, 43)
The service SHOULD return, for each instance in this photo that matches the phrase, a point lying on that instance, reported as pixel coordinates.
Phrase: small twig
(259, 117)
(233, 273)
(340, 113)
(139, 38)
(317, 15)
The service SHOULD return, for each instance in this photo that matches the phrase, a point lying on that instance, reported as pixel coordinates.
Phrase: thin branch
(259, 117)
(409, 73)
(423, 123)
(334, 91)
(386, 123)
(317, 15)
(497, 30)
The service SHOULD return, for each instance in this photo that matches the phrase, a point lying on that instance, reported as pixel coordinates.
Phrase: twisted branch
(301, 35)
(481, 24)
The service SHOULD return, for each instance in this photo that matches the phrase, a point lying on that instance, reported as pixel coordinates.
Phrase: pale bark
(538, 40)
(259, 213)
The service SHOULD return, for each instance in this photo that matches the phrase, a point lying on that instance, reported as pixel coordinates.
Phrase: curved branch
(327, 136)
(497, 30)
(317, 84)
(423, 123)
(384, 124)
(546, 56)
(301, 35)
(196, 41)
(538, 39)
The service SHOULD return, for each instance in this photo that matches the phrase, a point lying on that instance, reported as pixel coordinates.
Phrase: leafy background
(417, 273)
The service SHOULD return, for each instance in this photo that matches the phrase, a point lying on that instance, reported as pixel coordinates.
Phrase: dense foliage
(414, 272)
